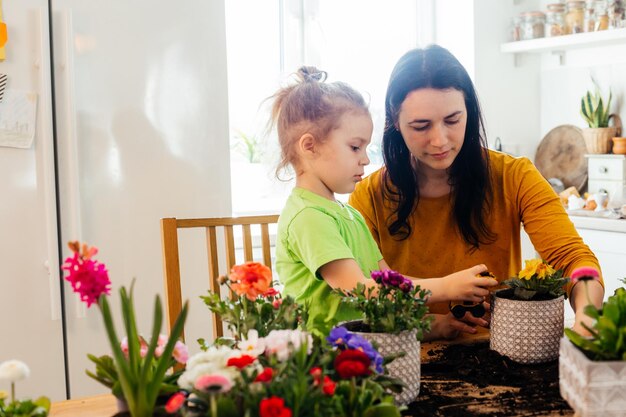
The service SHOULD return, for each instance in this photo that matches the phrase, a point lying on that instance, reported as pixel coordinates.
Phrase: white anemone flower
(13, 371)
(252, 345)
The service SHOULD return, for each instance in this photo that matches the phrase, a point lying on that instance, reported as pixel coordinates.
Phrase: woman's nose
(437, 136)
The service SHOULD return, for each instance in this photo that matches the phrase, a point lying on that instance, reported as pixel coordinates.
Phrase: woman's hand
(446, 326)
(578, 325)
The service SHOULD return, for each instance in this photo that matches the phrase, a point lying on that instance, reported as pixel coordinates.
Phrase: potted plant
(592, 369)
(256, 305)
(287, 373)
(12, 371)
(527, 318)
(394, 320)
(141, 366)
(596, 112)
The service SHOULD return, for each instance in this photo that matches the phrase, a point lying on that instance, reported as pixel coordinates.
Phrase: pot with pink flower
(394, 320)
(139, 370)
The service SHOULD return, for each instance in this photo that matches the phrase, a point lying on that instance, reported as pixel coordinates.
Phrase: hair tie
(313, 74)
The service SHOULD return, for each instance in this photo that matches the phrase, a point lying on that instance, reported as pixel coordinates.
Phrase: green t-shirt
(313, 231)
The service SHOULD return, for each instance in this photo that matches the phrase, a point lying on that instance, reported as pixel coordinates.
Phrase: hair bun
(312, 74)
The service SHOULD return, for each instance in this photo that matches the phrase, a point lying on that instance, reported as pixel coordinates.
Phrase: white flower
(13, 370)
(252, 345)
(210, 362)
(282, 342)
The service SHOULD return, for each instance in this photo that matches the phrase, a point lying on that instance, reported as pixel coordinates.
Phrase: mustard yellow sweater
(436, 248)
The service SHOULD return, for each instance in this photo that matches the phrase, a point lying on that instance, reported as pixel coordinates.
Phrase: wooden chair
(171, 262)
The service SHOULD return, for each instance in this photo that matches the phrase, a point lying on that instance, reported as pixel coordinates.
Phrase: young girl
(323, 130)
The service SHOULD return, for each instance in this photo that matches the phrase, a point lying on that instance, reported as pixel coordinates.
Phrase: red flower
(241, 362)
(273, 407)
(328, 387)
(265, 376)
(317, 375)
(175, 402)
(89, 278)
(351, 363)
(271, 292)
(250, 279)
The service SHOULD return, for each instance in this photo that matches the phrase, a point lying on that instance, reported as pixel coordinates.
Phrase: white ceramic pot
(527, 331)
(591, 388)
(405, 368)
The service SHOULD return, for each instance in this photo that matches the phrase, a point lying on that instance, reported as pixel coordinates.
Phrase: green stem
(213, 406)
(12, 391)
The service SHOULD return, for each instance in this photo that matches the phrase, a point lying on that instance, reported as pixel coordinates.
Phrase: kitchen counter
(598, 223)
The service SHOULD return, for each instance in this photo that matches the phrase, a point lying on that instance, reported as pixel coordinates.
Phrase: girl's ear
(307, 144)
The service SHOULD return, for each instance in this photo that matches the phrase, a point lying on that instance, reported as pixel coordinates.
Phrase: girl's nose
(365, 160)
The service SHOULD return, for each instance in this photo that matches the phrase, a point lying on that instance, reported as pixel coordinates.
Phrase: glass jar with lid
(555, 24)
(532, 25)
(602, 16)
(515, 32)
(590, 17)
(575, 16)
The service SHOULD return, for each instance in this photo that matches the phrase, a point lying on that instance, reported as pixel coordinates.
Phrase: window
(355, 41)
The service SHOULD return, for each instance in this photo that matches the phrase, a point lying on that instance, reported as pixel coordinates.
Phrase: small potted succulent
(596, 112)
(394, 320)
(592, 369)
(527, 318)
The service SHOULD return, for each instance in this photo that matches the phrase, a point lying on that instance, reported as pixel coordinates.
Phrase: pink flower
(585, 273)
(143, 346)
(214, 383)
(181, 353)
(89, 278)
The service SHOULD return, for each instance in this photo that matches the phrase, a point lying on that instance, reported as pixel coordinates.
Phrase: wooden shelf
(566, 42)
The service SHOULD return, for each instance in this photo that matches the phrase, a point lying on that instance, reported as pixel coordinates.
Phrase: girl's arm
(344, 274)
(465, 285)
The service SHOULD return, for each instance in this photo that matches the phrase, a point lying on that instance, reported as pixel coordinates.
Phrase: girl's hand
(468, 285)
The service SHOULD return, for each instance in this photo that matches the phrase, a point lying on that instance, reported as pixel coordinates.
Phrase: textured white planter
(406, 368)
(591, 388)
(527, 331)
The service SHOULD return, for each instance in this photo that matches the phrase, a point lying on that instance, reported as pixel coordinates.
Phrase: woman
(444, 202)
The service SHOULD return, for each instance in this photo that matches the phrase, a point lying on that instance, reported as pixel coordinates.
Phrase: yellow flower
(536, 268)
(3, 395)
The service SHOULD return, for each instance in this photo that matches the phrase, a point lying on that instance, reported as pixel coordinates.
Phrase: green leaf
(382, 410)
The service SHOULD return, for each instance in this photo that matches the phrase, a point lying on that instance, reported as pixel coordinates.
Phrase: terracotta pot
(526, 331)
(405, 368)
(619, 146)
(591, 388)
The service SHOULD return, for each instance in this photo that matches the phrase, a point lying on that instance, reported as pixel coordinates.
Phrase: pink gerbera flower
(214, 383)
(585, 273)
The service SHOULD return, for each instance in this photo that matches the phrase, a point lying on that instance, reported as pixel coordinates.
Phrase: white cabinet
(607, 173)
(610, 249)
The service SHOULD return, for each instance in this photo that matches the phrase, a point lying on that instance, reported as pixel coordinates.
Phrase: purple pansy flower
(388, 278)
(339, 336)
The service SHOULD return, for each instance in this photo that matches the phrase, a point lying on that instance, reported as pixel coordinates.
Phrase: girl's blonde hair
(310, 106)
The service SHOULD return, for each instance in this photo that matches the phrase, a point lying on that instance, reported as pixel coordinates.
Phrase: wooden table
(104, 405)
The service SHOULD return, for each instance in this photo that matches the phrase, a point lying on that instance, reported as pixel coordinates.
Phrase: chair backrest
(171, 260)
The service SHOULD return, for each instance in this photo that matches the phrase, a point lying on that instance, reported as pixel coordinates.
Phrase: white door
(30, 302)
(142, 112)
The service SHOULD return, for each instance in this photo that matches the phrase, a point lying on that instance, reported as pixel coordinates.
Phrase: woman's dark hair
(435, 67)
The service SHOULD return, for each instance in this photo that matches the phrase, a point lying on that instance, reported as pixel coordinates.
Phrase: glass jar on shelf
(590, 18)
(532, 25)
(515, 32)
(555, 24)
(602, 17)
(575, 16)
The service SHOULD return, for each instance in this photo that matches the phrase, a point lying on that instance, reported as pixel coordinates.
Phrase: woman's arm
(578, 301)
